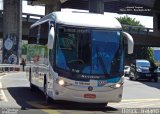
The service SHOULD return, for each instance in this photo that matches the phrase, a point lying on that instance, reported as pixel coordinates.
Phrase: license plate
(148, 74)
(90, 96)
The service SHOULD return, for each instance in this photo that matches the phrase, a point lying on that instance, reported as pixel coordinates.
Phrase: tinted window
(39, 34)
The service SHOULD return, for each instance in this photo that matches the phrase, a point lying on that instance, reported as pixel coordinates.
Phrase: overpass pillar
(12, 31)
(49, 8)
(96, 6)
(156, 22)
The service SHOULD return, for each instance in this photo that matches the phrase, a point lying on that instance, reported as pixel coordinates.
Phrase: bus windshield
(89, 51)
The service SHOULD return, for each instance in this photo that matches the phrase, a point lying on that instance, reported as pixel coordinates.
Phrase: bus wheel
(101, 105)
(47, 98)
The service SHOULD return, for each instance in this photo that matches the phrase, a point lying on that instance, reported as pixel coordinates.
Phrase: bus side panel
(37, 58)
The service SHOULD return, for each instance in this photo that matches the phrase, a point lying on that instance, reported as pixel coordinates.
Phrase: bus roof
(81, 19)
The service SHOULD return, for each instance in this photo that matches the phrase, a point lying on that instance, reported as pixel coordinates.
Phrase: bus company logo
(102, 82)
(90, 88)
(82, 83)
(90, 77)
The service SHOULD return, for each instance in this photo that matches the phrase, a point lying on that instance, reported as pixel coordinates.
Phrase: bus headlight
(118, 85)
(61, 82)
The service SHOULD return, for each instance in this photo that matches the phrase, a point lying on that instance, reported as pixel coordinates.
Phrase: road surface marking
(43, 106)
(39, 104)
(150, 106)
(3, 97)
(137, 103)
(128, 100)
(51, 111)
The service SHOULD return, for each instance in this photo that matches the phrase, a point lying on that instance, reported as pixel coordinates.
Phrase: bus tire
(47, 98)
(100, 105)
(103, 104)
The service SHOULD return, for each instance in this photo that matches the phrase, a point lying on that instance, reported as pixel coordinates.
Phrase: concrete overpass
(27, 20)
(142, 36)
(12, 18)
(136, 7)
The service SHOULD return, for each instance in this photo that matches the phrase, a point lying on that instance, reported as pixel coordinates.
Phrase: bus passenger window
(44, 30)
(33, 35)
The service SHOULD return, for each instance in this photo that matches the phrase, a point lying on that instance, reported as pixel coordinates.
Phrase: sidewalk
(2, 73)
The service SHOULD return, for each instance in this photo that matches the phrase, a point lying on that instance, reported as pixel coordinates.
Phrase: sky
(144, 20)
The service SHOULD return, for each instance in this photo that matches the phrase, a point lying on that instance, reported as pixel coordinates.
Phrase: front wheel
(98, 105)
(102, 105)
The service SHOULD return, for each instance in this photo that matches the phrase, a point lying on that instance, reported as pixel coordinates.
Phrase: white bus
(78, 57)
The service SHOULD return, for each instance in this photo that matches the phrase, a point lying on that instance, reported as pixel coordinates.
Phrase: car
(158, 70)
(126, 70)
(143, 69)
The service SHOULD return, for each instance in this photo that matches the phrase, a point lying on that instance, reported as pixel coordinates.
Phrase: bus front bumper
(67, 94)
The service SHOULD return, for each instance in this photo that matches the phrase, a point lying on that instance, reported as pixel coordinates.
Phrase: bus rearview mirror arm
(51, 36)
(130, 42)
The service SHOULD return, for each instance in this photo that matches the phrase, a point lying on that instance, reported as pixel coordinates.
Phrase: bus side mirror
(51, 36)
(130, 42)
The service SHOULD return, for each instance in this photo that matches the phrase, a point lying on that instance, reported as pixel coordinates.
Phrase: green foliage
(139, 52)
(129, 21)
(24, 49)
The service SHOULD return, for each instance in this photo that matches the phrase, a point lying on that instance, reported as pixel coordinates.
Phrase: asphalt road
(16, 98)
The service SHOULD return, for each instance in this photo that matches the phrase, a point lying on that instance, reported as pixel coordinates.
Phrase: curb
(2, 74)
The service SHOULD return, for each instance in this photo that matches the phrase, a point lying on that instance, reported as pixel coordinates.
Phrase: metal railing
(9, 67)
(137, 29)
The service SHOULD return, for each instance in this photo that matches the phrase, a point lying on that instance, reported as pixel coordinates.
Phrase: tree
(139, 52)
(129, 21)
